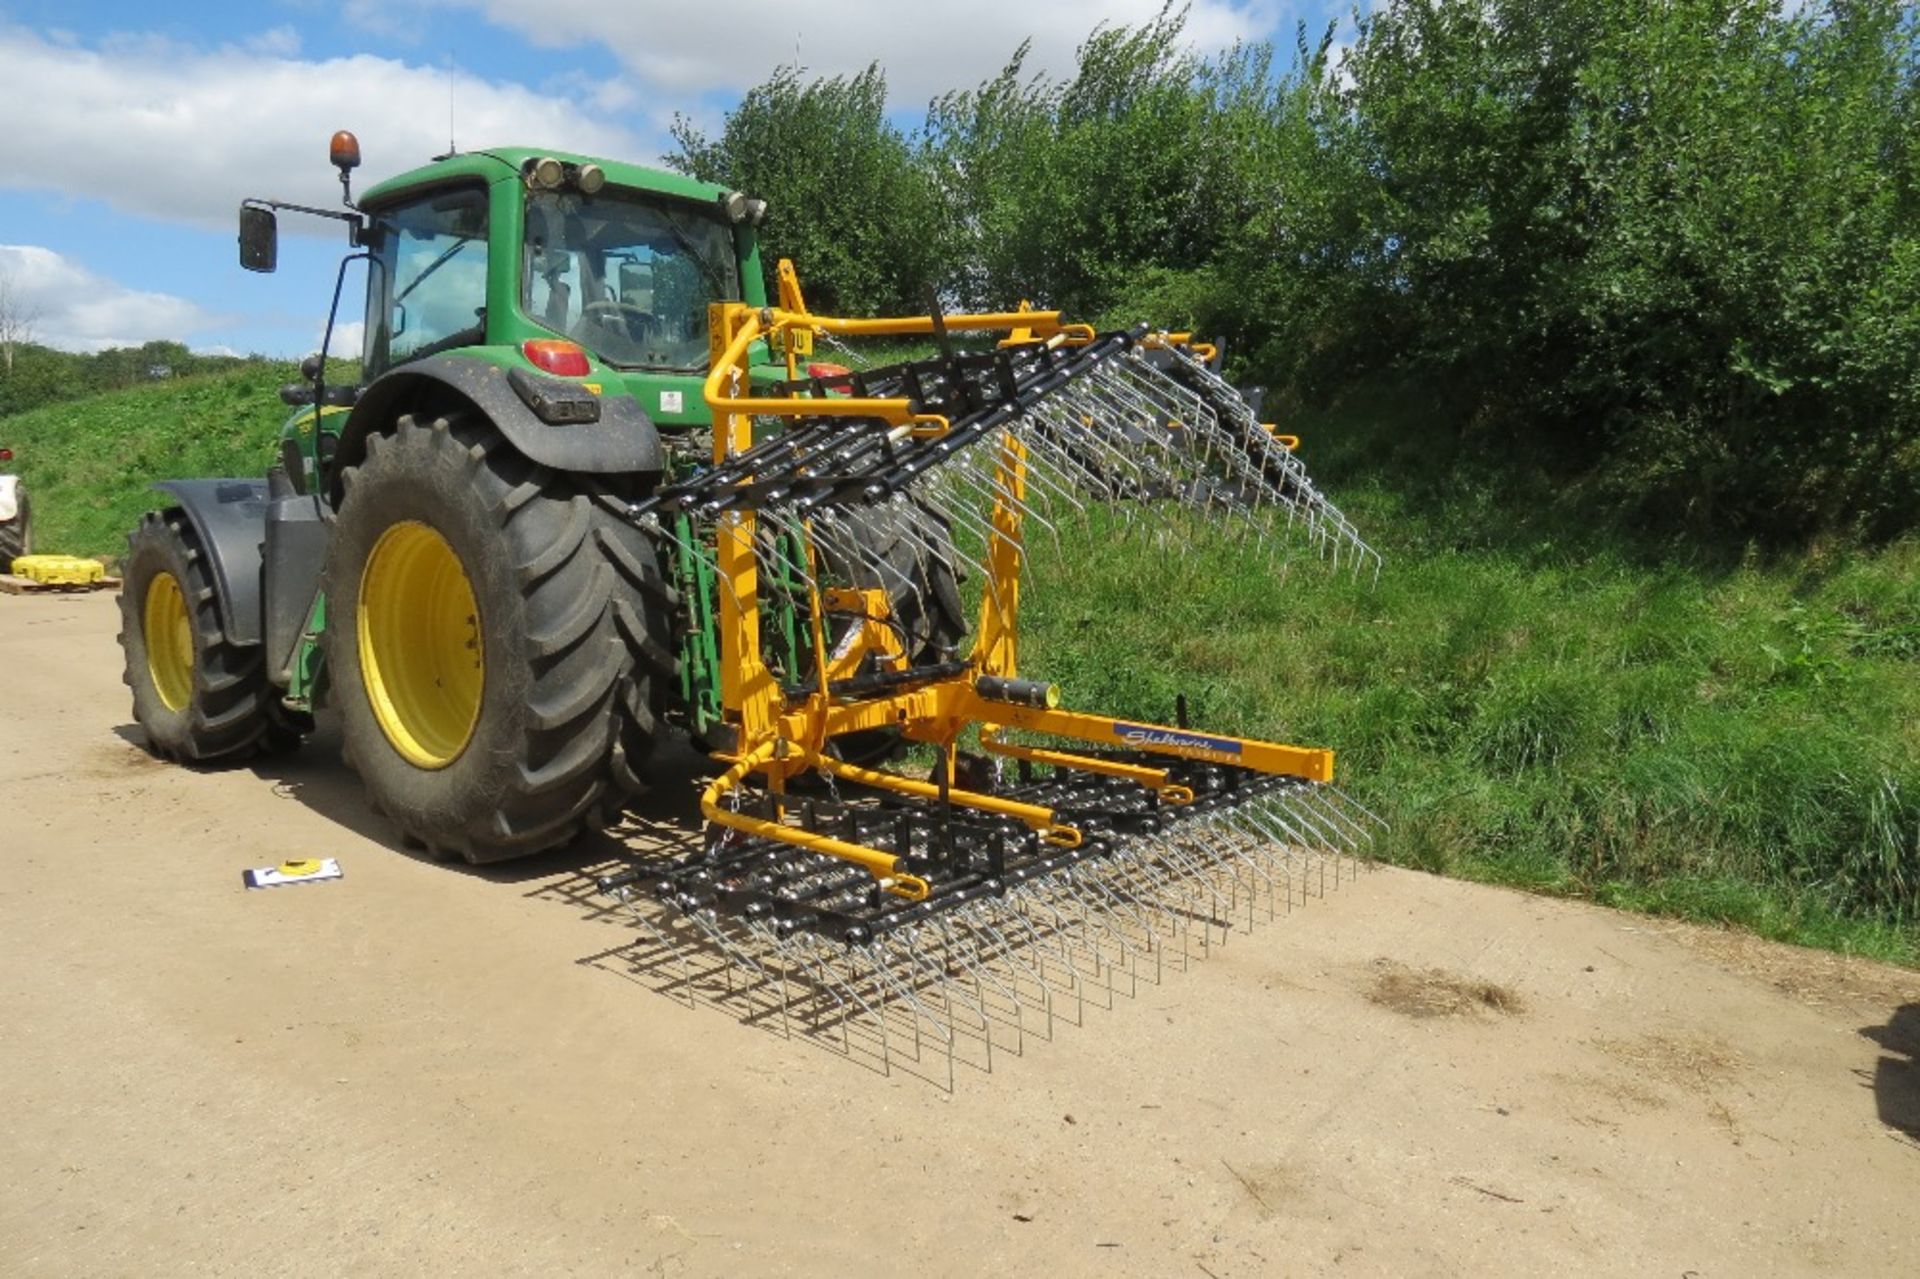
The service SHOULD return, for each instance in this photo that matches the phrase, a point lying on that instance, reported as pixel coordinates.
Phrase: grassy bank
(1531, 702)
(88, 462)
(1528, 695)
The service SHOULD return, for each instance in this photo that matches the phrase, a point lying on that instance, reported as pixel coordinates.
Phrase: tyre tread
(231, 714)
(585, 713)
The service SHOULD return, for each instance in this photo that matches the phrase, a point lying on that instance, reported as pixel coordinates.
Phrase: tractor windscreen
(427, 286)
(627, 278)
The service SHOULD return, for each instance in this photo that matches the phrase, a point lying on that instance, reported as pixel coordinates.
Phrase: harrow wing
(938, 900)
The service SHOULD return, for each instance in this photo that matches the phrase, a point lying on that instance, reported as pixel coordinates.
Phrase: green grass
(88, 462)
(1554, 708)
(1529, 696)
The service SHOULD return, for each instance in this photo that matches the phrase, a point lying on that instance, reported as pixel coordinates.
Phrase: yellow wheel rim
(420, 654)
(169, 636)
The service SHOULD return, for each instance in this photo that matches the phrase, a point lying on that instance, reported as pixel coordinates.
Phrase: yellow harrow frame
(956, 905)
(779, 740)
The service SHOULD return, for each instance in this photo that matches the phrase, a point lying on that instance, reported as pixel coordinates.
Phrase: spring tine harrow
(1150, 428)
(907, 921)
(912, 985)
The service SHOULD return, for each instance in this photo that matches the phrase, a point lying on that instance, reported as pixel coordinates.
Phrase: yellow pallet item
(60, 570)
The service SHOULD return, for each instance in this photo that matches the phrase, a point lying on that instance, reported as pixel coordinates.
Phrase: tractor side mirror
(259, 238)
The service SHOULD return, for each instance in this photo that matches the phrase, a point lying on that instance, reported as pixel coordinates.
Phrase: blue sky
(136, 129)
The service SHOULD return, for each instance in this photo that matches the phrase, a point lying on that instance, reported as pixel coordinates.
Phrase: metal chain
(855, 359)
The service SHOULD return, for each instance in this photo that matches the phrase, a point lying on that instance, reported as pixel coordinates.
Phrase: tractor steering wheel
(640, 318)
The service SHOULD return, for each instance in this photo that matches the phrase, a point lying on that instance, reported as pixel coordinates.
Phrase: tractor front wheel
(476, 609)
(199, 697)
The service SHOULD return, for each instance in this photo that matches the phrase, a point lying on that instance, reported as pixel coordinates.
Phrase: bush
(847, 201)
(1674, 242)
(1668, 256)
(41, 375)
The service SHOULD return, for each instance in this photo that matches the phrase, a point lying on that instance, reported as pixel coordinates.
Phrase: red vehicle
(16, 517)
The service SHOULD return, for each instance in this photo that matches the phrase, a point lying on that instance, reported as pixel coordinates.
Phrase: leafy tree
(18, 315)
(43, 375)
(1080, 193)
(1667, 252)
(1672, 242)
(847, 202)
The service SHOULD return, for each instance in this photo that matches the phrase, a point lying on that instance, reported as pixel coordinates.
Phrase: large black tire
(218, 706)
(922, 591)
(923, 595)
(569, 609)
(16, 534)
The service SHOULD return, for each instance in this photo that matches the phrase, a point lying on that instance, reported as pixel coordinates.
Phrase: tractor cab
(543, 265)
(627, 277)
(499, 250)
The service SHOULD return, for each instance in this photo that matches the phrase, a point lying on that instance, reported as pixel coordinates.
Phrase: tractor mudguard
(294, 551)
(230, 517)
(623, 441)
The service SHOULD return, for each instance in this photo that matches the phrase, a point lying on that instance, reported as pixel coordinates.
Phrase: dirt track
(423, 1069)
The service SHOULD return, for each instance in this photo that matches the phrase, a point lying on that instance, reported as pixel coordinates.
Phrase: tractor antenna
(453, 148)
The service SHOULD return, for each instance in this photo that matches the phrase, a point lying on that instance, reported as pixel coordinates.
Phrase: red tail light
(557, 356)
(6, 455)
(837, 376)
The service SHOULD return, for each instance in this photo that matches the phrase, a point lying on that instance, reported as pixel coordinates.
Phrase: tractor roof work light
(738, 207)
(343, 152)
(590, 178)
(546, 174)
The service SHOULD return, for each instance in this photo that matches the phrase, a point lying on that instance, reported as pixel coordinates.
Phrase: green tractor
(445, 551)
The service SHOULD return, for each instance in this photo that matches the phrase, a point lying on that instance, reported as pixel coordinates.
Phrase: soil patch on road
(1435, 992)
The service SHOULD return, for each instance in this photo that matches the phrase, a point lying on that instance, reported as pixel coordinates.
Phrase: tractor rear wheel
(199, 697)
(16, 534)
(492, 639)
(923, 593)
(923, 596)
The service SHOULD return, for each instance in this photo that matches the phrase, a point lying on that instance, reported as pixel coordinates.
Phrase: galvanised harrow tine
(763, 932)
(1114, 425)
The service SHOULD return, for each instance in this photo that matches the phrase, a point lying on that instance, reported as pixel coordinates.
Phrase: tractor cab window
(427, 290)
(628, 279)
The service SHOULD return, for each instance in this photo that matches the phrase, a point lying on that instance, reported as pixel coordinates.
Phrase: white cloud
(77, 310)
(926, 49)
(281, 42)
(1340, 64)
(614, 97)
(174, 131)
(347, 338)
(381, 18)
(170, 131)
